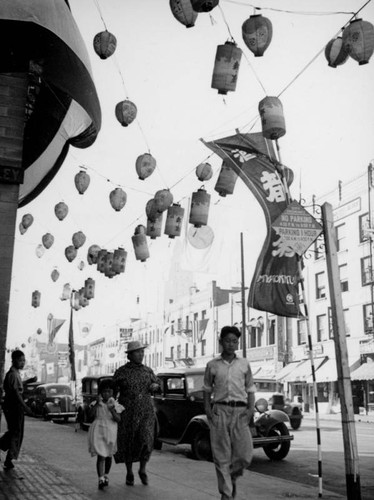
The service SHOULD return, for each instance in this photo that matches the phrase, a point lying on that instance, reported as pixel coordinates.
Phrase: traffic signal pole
(344, 379)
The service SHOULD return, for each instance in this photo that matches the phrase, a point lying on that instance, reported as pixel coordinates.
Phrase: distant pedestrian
(14, 409)
(135, 382)
(102, 435)
(229, 379)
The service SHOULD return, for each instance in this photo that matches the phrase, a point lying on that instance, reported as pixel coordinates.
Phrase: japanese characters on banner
(274, 287)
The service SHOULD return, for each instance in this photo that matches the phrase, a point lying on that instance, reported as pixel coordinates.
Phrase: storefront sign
(347, 209)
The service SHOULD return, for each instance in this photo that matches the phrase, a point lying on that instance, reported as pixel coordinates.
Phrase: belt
(231, 403)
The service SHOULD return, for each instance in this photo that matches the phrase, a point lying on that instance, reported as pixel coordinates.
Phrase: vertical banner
(274, 287)
(71, 348)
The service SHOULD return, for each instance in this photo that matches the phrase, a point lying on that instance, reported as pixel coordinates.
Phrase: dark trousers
(11, 441)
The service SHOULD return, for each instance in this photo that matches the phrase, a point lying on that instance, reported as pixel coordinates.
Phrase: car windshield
(195, 383)
(54, 390)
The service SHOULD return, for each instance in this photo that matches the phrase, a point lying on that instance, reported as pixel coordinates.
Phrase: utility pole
(244, 325)
(344, 378)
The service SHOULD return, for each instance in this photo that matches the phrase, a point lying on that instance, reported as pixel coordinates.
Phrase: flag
(203, 323)
(55, 325)
(71, 348)
(275, 284)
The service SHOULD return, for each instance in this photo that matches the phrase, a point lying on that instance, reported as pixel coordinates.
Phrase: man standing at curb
(230, 380)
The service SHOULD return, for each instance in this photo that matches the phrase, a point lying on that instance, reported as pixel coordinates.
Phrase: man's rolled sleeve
(249, 383)
(208, 385)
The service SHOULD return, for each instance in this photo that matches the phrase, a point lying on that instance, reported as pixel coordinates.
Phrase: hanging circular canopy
(200, 237)
(41, 39)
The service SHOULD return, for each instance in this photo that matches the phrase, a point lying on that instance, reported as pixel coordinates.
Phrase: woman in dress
(102, 435)
(135, 383)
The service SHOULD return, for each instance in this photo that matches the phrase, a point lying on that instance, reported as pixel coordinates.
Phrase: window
(343, 273)
(186, 351)
(203, 347)
(179, 327)
(321, 327)
(340, 237)
(172, 352)
(301, 332)
(272, 332)
(346, 325)
(252, 333)
(320, 285)
(179, 351)
(363, 226)
(368, 318)
(366, 271)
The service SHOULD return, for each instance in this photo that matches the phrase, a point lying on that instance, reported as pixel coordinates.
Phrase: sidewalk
(369, 419)
(180, 479)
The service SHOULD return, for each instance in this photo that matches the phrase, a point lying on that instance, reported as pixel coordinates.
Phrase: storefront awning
(304, 370)
(364, 372)
(264, 372)
(327, 372)
(286, 370)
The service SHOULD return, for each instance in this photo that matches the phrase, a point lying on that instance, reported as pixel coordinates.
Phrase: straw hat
(135, 345)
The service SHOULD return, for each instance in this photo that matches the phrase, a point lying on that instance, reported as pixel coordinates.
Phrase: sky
(166, 70)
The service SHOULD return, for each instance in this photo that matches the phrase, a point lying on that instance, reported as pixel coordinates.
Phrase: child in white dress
(102, 435)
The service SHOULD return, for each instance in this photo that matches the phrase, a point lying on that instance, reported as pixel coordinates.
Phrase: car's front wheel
(200, 446)
(278, 451)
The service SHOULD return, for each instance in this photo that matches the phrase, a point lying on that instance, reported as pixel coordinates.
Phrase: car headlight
(56, 401)
(262, 405)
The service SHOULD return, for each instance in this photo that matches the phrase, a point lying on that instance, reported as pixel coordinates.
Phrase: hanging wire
(298, 12)
(100, 13)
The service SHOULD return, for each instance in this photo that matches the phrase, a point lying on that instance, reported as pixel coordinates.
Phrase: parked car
(29, 386)
(278, 401)
(268, 389)
(90, 386)
(52, 401)
(180, 417)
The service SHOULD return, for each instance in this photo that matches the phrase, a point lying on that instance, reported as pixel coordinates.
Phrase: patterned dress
(136, 428)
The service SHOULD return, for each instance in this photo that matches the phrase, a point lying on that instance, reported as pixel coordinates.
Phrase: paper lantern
(75, 303)
(204, 171)
(163, 199)
(108, 263)
(23, 346)
(119, 260)
(335, 52)
(61, 210)
(226, 67)
(226, 180)
(151, 210)
(40, 251)
(257, 32)
(92, 254)
(358, 40)
(101, 256)
(272, 119)
(89, 288)
(78, 239)
(139, 241)
(199, 208)
(35, 298)
(81, 265)
(126, 112)
(39, 331)
(83, 301)
(154, 227)
(55, 275)
(70, 253)
(104, 44)
(183, 12)
(118, 199)
(140, 229)
(174, 220)
(66, 292)
(204, 5)
(82, 181)
(21, 228)
(145, 165)
(27, 220)
(48, 240)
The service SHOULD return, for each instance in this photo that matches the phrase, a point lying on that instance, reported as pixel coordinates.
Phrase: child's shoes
(101, 484)
(106, 481)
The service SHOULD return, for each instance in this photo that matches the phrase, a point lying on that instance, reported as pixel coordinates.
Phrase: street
(65, 450)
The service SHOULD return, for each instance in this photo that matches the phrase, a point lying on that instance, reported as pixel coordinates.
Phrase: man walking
(229, 379)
